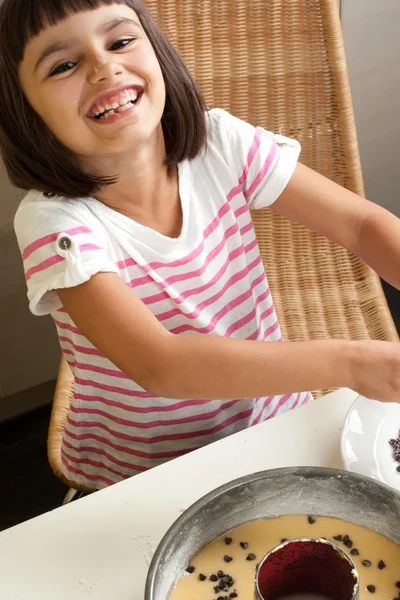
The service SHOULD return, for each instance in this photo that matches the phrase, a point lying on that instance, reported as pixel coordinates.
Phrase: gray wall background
(29, 351)
(372, 41)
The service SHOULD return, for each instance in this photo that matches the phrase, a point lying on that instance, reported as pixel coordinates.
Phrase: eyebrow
(105, 28)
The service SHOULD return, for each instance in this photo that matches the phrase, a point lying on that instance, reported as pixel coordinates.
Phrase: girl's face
(95, 81)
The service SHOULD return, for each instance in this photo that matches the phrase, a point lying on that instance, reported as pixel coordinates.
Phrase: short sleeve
(59, 249)
(263, 162)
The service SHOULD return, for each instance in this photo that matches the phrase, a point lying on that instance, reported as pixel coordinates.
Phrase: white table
(100, 547)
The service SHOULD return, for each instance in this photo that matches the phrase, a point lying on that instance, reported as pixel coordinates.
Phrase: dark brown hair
(32, 156)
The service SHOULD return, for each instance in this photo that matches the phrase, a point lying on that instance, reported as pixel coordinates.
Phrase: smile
(117, 104)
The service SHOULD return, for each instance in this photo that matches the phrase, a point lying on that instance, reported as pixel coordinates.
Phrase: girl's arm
(364, 228)
(210, 367)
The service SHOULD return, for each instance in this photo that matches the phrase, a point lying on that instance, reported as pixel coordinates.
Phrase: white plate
(365, 447)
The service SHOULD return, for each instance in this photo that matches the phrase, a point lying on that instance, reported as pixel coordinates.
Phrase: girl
(136, 237)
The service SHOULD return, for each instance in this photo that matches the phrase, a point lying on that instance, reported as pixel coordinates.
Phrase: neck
(140, 176)
(146, 190)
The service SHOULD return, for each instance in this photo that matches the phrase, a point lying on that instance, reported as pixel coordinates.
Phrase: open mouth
(121, 103)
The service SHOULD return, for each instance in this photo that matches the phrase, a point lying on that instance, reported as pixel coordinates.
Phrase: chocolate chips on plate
(395, 443)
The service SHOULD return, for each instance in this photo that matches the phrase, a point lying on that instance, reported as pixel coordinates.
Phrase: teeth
(124, 108)
(123, 103)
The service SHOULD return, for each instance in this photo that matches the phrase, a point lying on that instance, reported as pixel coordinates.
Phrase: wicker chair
(280, 64)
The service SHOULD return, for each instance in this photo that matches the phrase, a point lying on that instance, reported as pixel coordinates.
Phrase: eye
(119, 44)
(63, 68)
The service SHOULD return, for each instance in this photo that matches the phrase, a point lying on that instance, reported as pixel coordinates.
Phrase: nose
(103, 68)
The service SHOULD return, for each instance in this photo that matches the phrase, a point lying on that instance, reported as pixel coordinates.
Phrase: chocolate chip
(233, 595)
(244, 545)
(284, 540)
(251, 556)
(202, 577)
(228, 541)
(347, 541)
(220, 574)
(217, 589)
(213, 577)
(371, 588)
(220, 598)
(398, 584)
(190, 569)
(348, 544)
(338, 538)
(366, 563)
(381, 564)
(228, 558)
(311, 520)
(354, 552)
(395, 443)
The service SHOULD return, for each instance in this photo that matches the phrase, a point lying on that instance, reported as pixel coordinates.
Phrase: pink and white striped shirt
(208, 280)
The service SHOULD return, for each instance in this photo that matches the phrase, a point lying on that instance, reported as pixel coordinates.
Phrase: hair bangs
(30, 18)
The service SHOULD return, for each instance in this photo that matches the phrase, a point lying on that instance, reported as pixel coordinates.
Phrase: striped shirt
(209, 280)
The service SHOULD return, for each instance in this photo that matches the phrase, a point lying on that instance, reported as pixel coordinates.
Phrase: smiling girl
(136, 237)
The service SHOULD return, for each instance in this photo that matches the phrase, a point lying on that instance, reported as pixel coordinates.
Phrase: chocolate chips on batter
(228, 558)
(224, 584)
(251, 556)
(228, 541)
(366, 563)
(347, 541)
(220, 574)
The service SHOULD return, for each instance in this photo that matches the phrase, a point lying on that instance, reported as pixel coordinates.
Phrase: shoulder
(232, 140)
(40, 215)
(226, 126)
(38, 204)
(230, 136)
